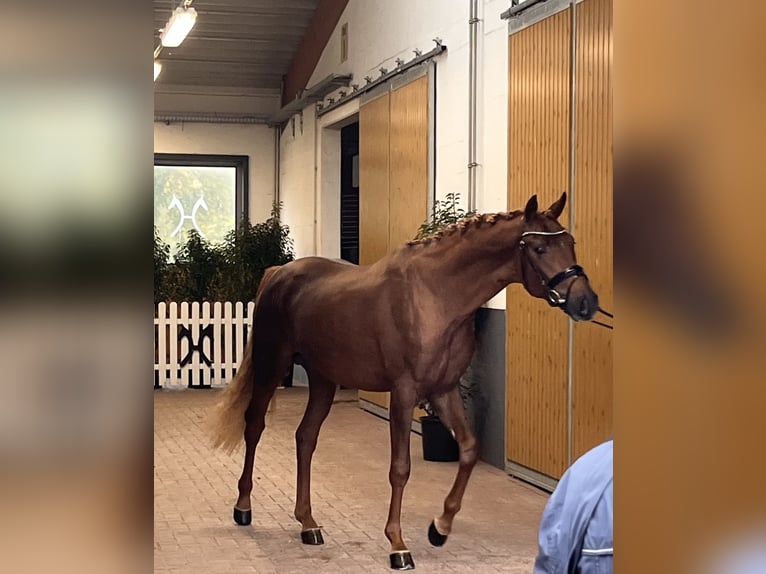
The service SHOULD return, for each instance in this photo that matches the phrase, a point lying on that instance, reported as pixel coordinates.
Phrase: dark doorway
(349, 193)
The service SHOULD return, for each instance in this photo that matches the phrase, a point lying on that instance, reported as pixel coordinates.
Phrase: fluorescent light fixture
(157, 69)
(179, 25)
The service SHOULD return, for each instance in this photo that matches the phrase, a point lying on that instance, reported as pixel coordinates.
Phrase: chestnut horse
(404, 324)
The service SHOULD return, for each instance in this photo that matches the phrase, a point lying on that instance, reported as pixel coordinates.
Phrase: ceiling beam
(322, 24)
(271, 12)
(266, 62)
(230, 91)
(276, 46)
(232, 81)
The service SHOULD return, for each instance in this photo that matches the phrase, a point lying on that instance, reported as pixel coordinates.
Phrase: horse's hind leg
(449, 407)
(321, 393)
(271, 372)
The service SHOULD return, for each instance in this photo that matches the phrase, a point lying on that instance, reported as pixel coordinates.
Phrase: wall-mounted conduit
(473, 22)
(212, 118)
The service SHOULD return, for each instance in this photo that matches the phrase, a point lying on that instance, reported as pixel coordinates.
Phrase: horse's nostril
(584, 307)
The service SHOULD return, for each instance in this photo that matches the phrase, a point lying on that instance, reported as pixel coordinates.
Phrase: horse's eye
(540, 250)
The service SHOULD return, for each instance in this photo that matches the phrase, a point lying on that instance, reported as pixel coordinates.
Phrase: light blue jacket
(576, 531)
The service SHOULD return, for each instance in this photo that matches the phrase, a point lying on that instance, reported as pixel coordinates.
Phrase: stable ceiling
(235, 43)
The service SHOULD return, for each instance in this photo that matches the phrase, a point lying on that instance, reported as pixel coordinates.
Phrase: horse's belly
(349, 364)
(354, 375)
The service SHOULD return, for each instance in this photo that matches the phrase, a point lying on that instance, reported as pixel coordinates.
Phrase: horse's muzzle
(582, 308)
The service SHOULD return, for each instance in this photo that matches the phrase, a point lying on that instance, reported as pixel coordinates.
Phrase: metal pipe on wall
(277, 131)
(209, 118)
(317, 217)
(572, 198)
(473, 23)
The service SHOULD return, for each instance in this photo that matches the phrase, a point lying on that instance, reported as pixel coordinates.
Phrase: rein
(554, 298)
(608, 314)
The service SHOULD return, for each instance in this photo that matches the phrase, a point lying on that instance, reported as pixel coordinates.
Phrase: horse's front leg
(402, 404)
(449, 407)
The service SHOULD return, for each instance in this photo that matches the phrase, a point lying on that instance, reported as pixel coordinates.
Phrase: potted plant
(438, 442)
(439, 445)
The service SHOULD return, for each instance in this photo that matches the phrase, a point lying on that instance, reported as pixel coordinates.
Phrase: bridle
(552, 295)
(554, 298)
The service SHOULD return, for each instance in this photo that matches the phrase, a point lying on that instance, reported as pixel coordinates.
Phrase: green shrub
(228, 271)
(444, 213)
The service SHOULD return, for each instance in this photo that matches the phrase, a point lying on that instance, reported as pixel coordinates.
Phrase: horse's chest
(444, 359)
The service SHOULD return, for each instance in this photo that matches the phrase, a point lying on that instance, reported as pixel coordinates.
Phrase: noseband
(554, 298)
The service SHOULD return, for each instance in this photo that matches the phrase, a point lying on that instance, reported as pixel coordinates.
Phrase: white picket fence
(199, 345)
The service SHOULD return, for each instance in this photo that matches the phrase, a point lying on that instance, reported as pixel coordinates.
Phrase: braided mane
(465, 224)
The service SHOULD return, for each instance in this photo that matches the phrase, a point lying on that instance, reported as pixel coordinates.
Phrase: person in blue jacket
(576, 530)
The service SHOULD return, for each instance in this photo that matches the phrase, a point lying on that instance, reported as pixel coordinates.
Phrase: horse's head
(548, 264)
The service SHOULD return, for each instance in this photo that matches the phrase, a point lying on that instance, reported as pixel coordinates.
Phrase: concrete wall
(255, 141)
(488, 370)
(297, 182)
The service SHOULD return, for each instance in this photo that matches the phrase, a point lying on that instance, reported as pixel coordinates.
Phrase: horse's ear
(531, 209)
(557, 206)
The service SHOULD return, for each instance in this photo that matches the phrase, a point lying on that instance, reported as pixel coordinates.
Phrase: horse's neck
(469, 267)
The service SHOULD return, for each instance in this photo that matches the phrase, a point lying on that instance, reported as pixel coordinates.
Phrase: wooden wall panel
(408, 184)
(374, 165)
(393, 171)
(373, 179)
(393, 192)
(538, 162)
(592, 357)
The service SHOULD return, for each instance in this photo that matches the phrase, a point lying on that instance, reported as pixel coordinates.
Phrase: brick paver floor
(195, 488)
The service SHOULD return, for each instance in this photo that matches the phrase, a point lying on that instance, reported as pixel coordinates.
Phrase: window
(344, 43)
(203, 192)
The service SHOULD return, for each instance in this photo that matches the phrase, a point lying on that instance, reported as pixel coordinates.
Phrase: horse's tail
(228, 420)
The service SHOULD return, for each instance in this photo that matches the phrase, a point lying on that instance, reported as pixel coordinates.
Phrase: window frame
(241, 179)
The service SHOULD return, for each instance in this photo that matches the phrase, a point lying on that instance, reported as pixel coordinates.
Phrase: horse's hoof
(312, 536)
(402, 560)
(435, 537)
(243, 517)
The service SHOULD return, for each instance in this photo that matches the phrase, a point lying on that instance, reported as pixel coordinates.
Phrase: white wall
(296, 185)
(492, 116)
(379, 32)
(255, 141)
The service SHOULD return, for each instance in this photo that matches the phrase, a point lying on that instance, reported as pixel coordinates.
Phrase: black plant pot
(438, 443)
